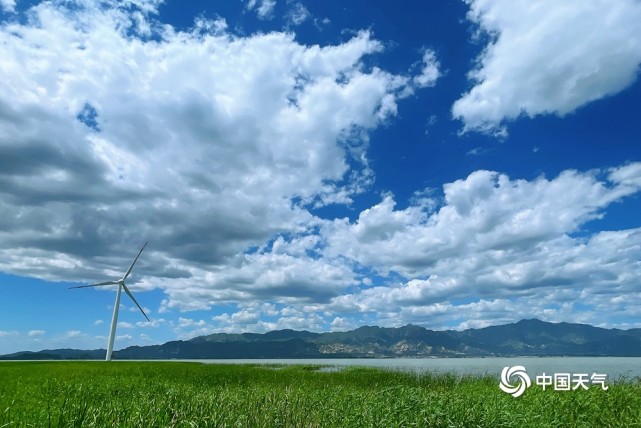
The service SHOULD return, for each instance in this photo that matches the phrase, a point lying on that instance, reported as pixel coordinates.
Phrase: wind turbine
(121, 284)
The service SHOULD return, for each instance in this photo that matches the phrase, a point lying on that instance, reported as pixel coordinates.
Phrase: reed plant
(177, 394)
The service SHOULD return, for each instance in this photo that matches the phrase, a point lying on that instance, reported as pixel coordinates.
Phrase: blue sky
(316, 165)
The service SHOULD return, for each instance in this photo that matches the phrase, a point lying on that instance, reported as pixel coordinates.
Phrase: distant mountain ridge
(524, 338)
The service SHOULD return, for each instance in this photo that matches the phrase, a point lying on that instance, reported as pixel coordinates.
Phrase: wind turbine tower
(121, 285)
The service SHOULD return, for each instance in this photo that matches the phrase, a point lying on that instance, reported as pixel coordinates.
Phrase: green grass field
(165, 394)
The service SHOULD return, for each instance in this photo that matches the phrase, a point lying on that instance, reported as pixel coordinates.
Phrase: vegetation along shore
(163, 394)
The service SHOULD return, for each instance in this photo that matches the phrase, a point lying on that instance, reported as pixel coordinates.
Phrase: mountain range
(524, 338)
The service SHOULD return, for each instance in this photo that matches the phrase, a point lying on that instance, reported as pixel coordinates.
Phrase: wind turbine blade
(132, 265)
(96, 285)
(132, 298)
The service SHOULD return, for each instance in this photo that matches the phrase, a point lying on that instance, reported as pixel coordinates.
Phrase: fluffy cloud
(116, 128)
(492, 240)
(200, 141)
(491, 249)
(8, 5)
(123, 324)
(277, 273)
(548, 57)
(430, 70)
(298, 14)
(483, 213)
(260, 318)
(264, 8)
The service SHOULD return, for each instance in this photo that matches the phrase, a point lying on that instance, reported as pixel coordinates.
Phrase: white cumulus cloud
(8, 5)
(264, 8)
(493, 240)
(201, 140)
(548, 57)
(486, 213)
(298, 14)
(213, 146)
(430, 70)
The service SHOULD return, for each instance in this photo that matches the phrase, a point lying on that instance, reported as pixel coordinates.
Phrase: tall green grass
(161, 394)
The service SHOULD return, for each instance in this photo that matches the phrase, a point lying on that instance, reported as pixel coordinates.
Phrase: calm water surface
(614, 367)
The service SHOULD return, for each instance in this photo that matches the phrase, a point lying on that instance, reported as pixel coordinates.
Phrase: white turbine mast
(114, 320)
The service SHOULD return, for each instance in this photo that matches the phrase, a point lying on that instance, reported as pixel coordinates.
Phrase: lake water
(614, 367)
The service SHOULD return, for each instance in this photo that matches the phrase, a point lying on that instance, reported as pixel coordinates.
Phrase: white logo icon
(524, 381)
